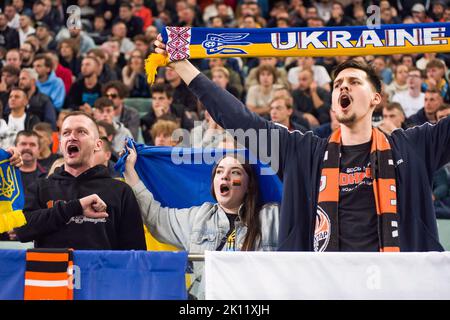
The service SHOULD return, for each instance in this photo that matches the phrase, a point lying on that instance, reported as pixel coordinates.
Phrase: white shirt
(14, 23)
(7, 137)
(409, 104)
(23, 35)
(320, 74)
(17, 124)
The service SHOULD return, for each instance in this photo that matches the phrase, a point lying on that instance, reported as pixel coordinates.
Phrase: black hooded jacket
(55, 217)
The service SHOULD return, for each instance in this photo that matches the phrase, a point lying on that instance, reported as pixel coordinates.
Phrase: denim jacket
(201, 228)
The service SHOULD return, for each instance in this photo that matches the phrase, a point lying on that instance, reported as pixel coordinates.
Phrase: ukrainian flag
(11, 195)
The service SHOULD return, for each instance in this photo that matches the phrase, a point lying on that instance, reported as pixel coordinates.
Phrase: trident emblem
(7, 185)
(218, 43)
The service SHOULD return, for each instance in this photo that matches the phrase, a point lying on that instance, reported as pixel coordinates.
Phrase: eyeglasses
(112, 95)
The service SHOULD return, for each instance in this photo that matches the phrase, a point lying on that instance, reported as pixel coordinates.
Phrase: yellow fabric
(153, 61)
(10, 219)
(155, 245)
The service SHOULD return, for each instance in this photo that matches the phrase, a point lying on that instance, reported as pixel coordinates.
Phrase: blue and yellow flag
(11, 195)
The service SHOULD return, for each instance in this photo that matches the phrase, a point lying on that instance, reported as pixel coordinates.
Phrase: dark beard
(346, 120)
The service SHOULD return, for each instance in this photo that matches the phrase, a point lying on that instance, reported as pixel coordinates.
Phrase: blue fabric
(104, 275)
(10, 182)
(12, 272)
(188, 184)
(131, 275)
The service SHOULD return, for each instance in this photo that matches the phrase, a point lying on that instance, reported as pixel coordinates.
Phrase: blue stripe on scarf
(263, 35)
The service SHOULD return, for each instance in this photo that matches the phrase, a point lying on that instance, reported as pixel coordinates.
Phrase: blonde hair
(224, 70)
(56, 164)
(165, 127)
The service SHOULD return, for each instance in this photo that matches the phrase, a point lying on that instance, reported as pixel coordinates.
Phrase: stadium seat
(143, 105)
(444, 232)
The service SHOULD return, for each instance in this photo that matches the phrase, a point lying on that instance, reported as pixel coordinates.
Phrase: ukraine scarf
(11, 195)
(185, 42)
(326, 235)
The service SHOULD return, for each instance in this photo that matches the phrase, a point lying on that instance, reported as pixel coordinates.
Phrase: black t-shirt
(47, 162)
(357, 213)
(229, 241)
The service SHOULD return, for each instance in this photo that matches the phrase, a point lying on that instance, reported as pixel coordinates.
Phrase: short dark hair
(370, 72)
(109, 128)
(19, 89)
(122, 90)
(107, 145)
(25, 133)
(11, 70)
(433, 90)
(435, 63)
(162, 88)
(395, 106)
(126, 4)
(102, 103)
(81, 113)
(47, 60)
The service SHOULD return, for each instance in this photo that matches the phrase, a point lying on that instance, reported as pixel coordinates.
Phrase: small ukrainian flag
(11, 195)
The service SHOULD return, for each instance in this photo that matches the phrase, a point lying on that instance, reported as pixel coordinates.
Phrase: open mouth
(224, 189)
(345, 100)
(72, 150)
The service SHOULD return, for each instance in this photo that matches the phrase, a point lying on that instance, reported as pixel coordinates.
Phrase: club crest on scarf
(7, 185)
(322, 230)
(220, 43)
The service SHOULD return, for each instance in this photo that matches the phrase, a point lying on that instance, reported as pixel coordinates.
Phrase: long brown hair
(251, 207)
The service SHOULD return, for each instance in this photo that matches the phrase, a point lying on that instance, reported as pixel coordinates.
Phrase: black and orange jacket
(55, 217)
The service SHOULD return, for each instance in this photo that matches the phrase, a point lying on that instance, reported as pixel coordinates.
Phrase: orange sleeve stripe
(49, 257)
(390, 249)
(42, 276)
(386, 195)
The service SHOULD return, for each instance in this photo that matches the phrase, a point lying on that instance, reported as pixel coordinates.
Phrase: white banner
(327, 275)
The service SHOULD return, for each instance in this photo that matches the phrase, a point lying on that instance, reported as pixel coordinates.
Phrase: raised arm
(169, 225)
(266, 140)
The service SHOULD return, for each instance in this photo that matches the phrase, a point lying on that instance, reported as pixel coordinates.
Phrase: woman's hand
(130, 174)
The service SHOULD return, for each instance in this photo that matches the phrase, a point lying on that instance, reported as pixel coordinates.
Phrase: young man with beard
(48, 83)
(80, 206)
(359, 190)
(86, 90)
(39, 104)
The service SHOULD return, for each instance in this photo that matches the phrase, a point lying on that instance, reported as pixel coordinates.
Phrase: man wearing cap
(419, 14)
(46, 40)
